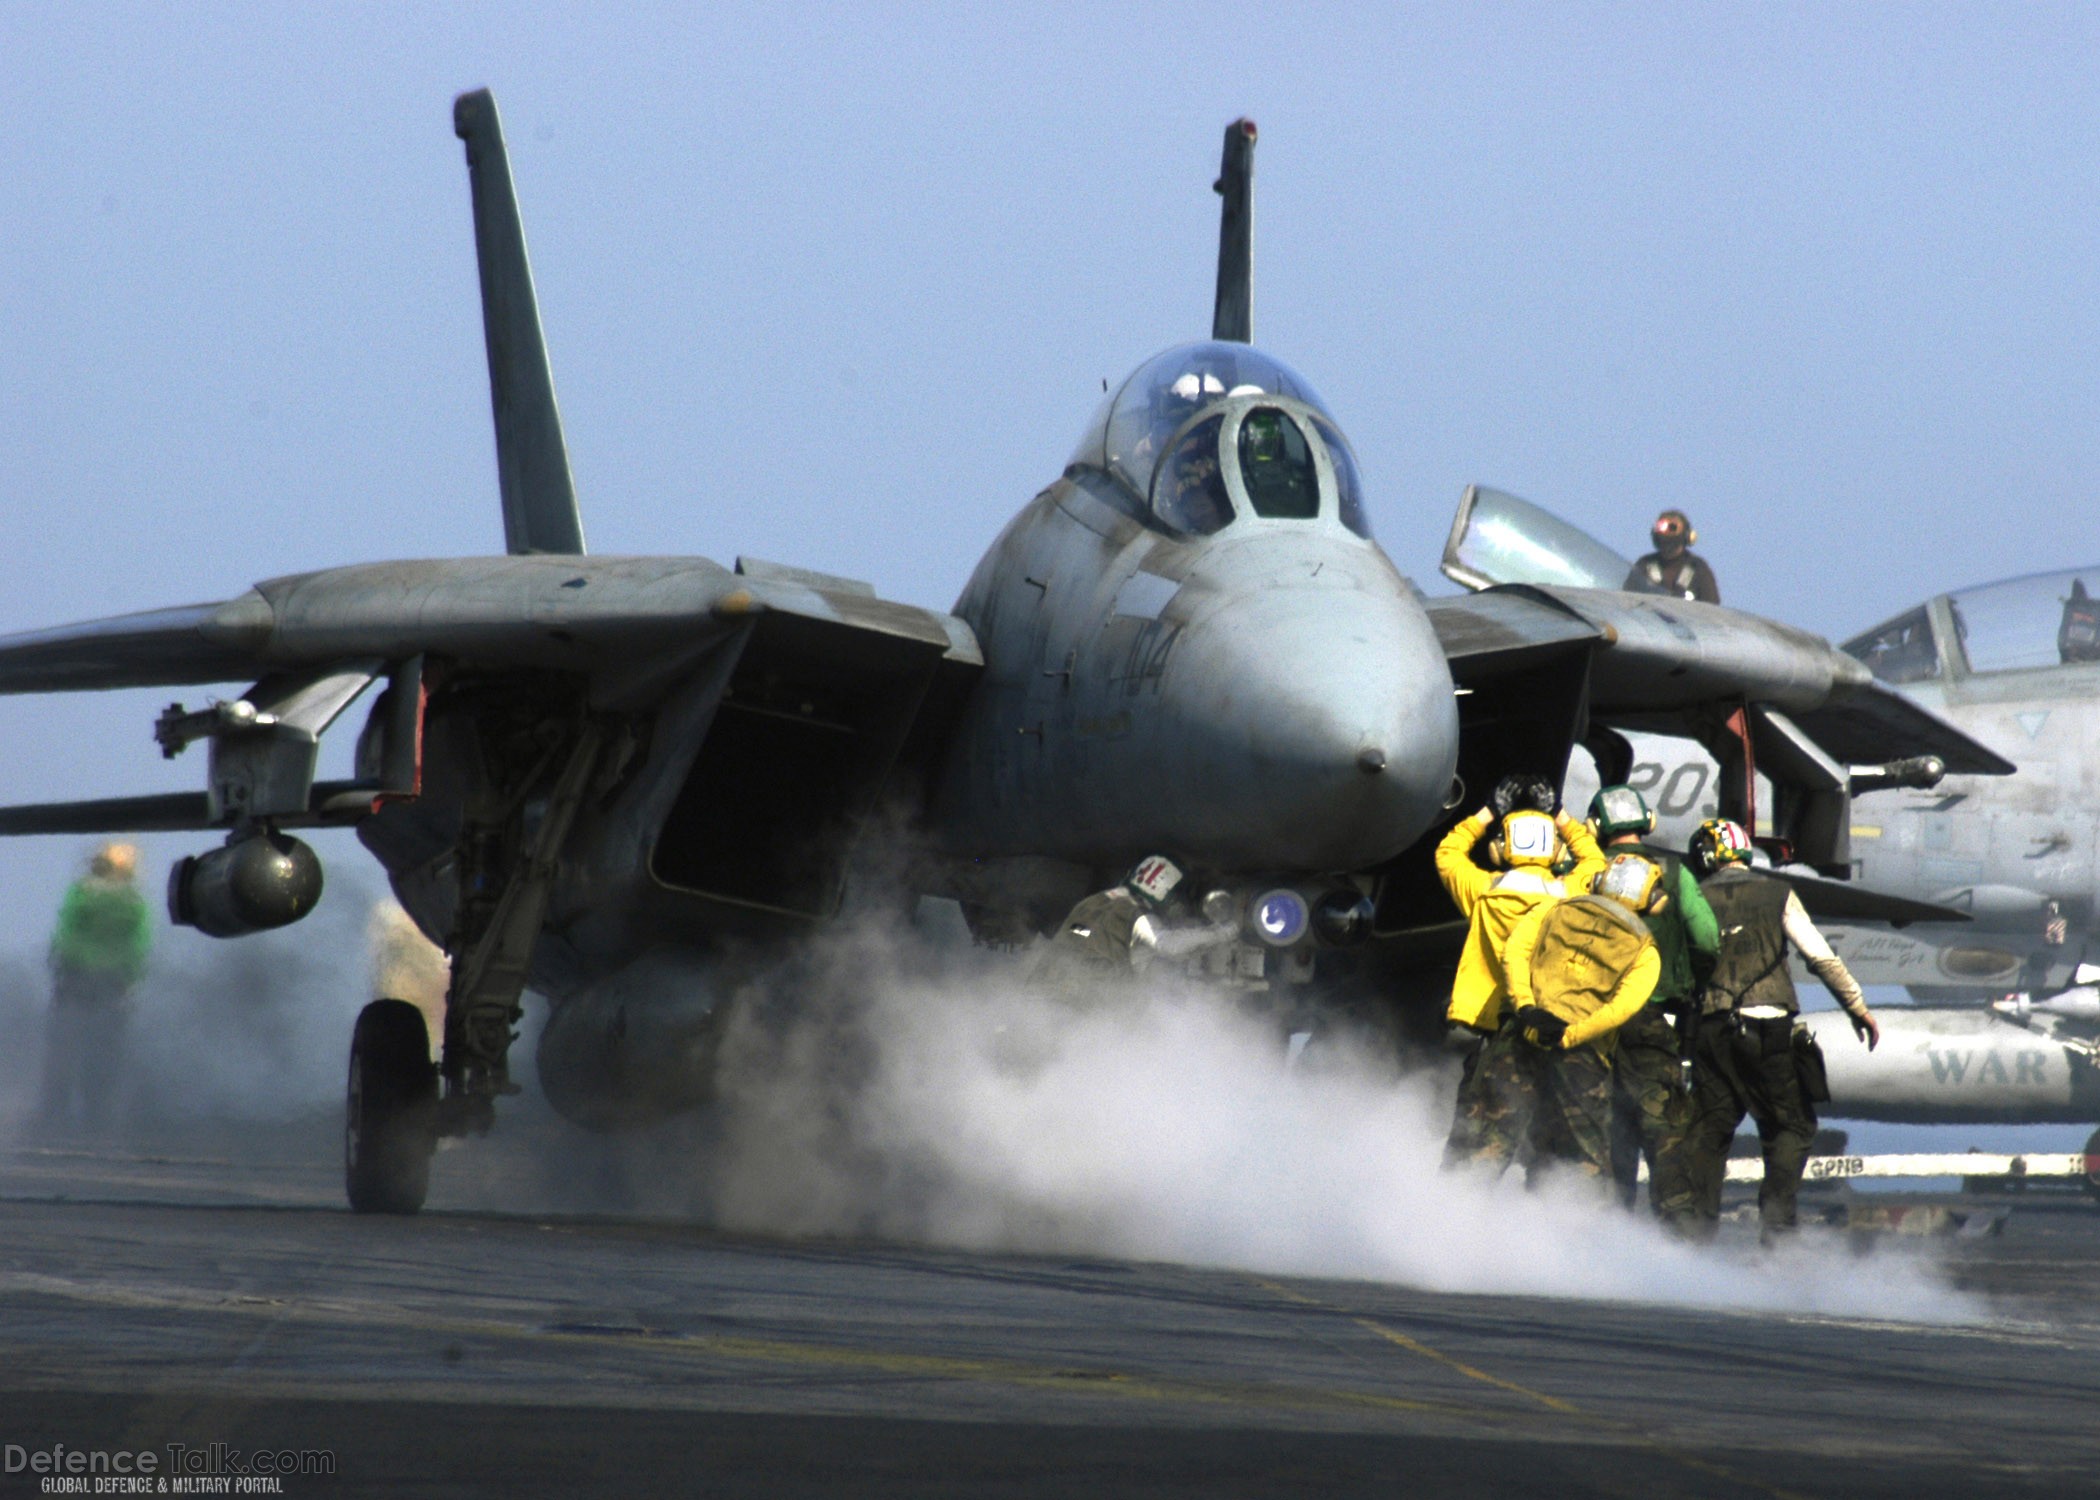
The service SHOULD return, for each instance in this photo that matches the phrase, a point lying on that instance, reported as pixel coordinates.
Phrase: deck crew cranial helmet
(1619, 810)
(115, 861)
(1631, 881)
(1153, 879)
(1718, 842)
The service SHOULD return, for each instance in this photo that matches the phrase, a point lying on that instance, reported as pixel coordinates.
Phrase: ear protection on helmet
(1527, 837)
(1631, 881)
(1675, 523)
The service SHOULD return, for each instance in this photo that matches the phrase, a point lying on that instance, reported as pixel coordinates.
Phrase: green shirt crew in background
(98, 952)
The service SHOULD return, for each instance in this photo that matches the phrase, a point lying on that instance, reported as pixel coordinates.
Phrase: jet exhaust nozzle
(255, 883)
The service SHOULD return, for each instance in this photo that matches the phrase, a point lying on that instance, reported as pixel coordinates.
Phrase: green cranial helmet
(1620, 810)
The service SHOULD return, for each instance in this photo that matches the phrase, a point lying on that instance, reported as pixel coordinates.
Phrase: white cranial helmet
(1154, 878)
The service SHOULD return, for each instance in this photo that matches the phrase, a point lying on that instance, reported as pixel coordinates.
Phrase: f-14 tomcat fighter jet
(583, 773)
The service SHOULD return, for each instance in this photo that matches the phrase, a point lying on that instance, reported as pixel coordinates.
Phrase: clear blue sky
(839, 285)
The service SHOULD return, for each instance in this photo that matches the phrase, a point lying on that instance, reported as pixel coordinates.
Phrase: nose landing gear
(390, 1129)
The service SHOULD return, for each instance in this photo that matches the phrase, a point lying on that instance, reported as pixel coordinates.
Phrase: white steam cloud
(930, 1094)
(950, 1102)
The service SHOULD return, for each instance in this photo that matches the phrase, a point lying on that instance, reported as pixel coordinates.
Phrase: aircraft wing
(1548, 651)
(602, 616)
(1858, 728)
(624, 630)
(1663, 666)
(1484, 635)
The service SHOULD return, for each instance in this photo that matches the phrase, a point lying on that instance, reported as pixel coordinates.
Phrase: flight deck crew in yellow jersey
(1578, 970)
(1488, 1120)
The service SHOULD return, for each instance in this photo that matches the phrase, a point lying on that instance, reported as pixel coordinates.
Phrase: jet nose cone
(1326, 714)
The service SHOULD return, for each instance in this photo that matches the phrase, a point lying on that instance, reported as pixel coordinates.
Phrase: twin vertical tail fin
(532, 459)
(1233, 316)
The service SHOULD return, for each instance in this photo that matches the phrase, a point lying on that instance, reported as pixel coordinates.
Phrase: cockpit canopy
(1205, 433)
(2042, 620)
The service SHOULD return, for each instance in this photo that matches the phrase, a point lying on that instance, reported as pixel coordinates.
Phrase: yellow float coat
(1493, 903)
(1589, 961)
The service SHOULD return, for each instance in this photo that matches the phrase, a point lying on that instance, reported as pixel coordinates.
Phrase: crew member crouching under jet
(1489, 1120)
(1650, 1107)
(1126, 928)
(1579, 969)
(1750, 1054)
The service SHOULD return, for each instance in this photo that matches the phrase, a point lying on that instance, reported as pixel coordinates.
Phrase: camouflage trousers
(1516, 1097)
(1492, 1114)
(1744, 1067)
(1650, 1111)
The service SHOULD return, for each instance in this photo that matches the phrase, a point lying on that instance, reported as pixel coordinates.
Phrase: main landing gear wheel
(391, 1125)
(2092, 1164)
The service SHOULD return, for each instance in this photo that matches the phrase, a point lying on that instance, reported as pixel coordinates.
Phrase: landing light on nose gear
(1279, 917)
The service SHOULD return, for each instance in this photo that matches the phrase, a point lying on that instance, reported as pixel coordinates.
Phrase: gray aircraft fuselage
(1264, 699)
(1138, 684)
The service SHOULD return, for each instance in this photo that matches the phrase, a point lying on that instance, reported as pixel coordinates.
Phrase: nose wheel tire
(390, 1126)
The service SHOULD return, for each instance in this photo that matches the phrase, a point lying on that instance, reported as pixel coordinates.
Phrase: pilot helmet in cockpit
(1177, 428)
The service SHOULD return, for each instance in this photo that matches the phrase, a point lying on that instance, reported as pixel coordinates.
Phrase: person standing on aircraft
(1488, 1123)
(1750, 1054)
(1673, 568)
(98, 952)
(1650, 1107)
(1578, 970)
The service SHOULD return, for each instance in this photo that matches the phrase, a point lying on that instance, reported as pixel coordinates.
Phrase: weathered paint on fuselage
(1269, 698)
(1994, 846)
(2000, 846)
